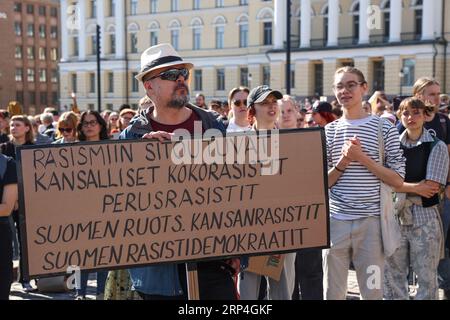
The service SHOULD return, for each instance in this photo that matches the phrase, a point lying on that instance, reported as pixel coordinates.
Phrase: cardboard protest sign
(119, 204)
(270, 266)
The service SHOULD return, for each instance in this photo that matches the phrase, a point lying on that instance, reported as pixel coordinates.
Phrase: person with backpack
(427, 164)
(8, 196)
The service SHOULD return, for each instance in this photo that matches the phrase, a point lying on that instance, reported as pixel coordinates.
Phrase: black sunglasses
(172, 74)
(238, 103)
(68, 130)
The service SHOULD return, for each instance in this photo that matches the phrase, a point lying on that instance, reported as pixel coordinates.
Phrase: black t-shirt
(9, 148)
(435, 128)
(10, 177)
(4, 137)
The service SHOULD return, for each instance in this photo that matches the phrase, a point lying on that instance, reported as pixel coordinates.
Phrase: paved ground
(17, 293)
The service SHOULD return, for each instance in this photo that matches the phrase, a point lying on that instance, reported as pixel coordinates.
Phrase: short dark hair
(124, 106)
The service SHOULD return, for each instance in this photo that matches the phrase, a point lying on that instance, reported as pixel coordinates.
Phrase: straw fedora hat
(160, 56)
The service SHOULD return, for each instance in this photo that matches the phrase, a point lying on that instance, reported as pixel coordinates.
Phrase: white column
(120, 29)
(438, 18)
(364, 32)
(305, 37)
(333, 22)
(395, 23)
(82, 31)
(428, 20)
(64, 32)
(101, 22)
(280, 23)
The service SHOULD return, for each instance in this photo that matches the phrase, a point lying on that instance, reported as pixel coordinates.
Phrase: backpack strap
(3, 165)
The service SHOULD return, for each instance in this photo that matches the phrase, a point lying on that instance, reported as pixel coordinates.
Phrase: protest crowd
(375, 145)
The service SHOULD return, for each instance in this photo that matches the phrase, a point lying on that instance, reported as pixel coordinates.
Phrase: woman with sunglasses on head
(67, 128)
(92, 127)
(237, 99)
(427, 164)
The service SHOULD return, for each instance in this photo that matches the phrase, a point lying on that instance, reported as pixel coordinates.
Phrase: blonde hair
(352, 70)
(422, 83)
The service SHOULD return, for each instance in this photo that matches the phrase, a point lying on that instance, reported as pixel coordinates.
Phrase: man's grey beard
(179, 102)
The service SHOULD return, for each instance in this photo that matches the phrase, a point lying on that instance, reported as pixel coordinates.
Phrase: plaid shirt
(437, 169)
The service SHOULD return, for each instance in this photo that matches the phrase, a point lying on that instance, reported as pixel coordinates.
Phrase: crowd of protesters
(402, 144)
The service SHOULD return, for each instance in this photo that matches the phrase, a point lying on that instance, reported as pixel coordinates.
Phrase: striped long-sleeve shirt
(357, 192)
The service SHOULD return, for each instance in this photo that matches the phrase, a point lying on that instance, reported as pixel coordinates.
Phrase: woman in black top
(21, 134)
(8, 194)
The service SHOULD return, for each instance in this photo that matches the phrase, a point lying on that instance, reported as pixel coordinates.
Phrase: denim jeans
(444, 264)
(101, 281)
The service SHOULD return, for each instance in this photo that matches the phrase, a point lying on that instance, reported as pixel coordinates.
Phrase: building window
(42, 10)
(112, 43)
(378, 75)
(18, 53)
(174, 5)
(292, 76)
(244, 77)
(196, 5)
(318, 79)
(267, 33)
(133, 7)
(133, 41)
(93, 5)
(325, 26)
(174, 38)
(243, 2)
(54, 54)
(19, 74)
(387, 19)
(42, 75)
(42, 31)
(153, 38)
(54, 12)
(53, 32)
(112, 8)
(220, 79)
(75, 45)
(134, 83)
(54, 78)
(219, 4)
(30, 53)
(93, 45)
(32, 96)
(409, 70)
(110, 82)
(220, 33)
(30, 75)
(266, 75)
(91, 82)
(19, 96)
(356, 22)
(43, 98)
(74, 82)
(198, 80)
(153, 6)
(197, 38)
(42, 55)
(18, 28)
(30, 8)
(109, 106)
(55, 97)
(30, 30)
(17, 7)
(418, 13)
(243, 35)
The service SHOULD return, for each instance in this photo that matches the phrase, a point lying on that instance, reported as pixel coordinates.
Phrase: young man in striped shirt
(354, 180)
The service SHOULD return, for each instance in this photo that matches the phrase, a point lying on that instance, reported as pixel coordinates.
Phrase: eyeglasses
(62, 130)
(238, 103)
(89, 123)
(172, 74)
(350, 86)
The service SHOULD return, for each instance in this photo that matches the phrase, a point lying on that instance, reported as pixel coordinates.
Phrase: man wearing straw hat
(165, 77)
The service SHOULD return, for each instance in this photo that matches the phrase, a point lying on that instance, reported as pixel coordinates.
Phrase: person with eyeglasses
(67, 128)
(237, 99)
(354, 180)
(165, 77)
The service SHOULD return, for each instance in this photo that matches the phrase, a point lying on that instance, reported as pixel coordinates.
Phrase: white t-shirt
(233, 127)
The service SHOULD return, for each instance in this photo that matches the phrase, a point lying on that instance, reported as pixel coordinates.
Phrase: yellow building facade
(243, 42)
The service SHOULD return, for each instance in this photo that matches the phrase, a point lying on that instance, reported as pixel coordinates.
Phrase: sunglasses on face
(89, 123)
(238, 103)
(62, 130)
(172, 74)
